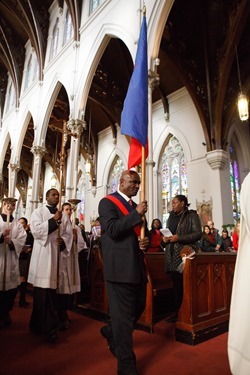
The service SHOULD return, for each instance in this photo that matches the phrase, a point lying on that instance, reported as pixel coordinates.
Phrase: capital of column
(217, 159)
(153, 79)
(38, 150)
(150, 163)
(76, 127)
(14, 167)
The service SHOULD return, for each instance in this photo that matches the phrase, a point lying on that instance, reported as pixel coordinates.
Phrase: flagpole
(143, 186)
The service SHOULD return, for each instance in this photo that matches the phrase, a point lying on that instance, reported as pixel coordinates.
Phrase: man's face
(130, 184)
(8, 208)
(67, 210)
(53, 197)
(210, 224)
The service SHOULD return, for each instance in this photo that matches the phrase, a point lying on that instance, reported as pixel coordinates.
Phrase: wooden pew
(159, 291)
(159, 301)
(207, 282)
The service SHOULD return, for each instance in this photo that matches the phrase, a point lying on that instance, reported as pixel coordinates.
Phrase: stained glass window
(8, 96)
(117, 169)
(27, 75)
(235, 184)
(54, 42)
(36, 67)
(68, 28)
(174, 175)
(93, 5)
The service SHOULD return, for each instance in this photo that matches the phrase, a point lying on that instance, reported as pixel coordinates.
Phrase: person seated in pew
(206, 243)
(155, 237)
(215, 233)
(226, 242)
(236, 236)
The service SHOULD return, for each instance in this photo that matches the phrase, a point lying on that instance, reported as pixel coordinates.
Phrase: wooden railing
(204, 313)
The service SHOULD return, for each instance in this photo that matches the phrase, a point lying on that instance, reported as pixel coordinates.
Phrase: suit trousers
(126, 304)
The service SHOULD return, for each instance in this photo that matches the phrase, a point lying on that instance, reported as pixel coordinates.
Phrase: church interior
(65, 68)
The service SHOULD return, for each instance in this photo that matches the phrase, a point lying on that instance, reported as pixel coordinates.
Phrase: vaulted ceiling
(197, 51)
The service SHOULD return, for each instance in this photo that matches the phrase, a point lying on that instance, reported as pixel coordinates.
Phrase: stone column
(218, 161)
(76, 127)
(153, 81)
(38, 152)
(13, 169)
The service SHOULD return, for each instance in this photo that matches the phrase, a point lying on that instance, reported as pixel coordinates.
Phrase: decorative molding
(217, 159)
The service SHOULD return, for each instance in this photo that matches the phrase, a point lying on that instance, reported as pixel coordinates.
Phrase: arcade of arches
(65, 67)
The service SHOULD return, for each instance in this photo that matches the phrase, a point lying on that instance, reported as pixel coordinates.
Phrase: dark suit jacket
(123, 260)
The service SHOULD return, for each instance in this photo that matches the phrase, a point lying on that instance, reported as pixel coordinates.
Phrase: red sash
(124, 210)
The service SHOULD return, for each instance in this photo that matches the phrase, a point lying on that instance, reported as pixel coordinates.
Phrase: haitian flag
(134, 117)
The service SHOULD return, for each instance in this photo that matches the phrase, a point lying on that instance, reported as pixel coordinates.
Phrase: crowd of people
(45, 254)
(212, 241)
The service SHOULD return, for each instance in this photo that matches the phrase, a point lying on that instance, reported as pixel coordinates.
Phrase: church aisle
(82, 351)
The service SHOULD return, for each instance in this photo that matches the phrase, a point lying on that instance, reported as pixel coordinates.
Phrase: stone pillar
(13, 169)
(153, 81)
(76, 127)
(218, 161)
(38, 152)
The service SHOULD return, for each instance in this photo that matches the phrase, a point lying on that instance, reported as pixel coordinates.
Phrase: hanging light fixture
(88, 162)
(242, 102)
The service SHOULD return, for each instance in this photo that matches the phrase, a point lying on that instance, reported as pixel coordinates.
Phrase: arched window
(8, 97)
(235, 183)
(93, 4)
(35, 69)
(27, 75)
(115, 174)
(68, 28)
(54, 43)
(174, 175)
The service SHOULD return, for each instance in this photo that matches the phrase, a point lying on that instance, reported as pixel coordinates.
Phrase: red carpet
(82, 351)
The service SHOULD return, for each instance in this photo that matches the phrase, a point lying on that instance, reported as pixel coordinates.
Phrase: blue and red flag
(134, 117)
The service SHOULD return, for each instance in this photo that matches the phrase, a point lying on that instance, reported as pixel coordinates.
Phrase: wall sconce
(242, 102)
(243, 107)
(87, 166)
(53, 181)
(29, 191)
(93, 190)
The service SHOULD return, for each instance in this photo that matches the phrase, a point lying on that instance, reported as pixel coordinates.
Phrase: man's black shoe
(52, 337)
(109, 341)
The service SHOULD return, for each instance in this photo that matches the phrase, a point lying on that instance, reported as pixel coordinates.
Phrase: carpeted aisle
(82, 351)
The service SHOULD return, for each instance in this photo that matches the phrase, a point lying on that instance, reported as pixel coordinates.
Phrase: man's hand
(144, 243)
(6, 233)
(142, 207)
(59, 241)
(58, 215)
(7, 240)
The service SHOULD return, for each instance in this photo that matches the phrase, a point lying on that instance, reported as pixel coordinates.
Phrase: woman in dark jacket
(207, 243)
(185, 227)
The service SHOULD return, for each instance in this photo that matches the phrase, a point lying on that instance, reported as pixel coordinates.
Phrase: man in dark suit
(124, 268)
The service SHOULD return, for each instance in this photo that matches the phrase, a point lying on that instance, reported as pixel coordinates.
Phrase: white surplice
(18, 237)
(44, 259)
(70, 281)
(239, 323)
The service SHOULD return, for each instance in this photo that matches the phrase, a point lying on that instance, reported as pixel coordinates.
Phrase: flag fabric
(134, 117)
